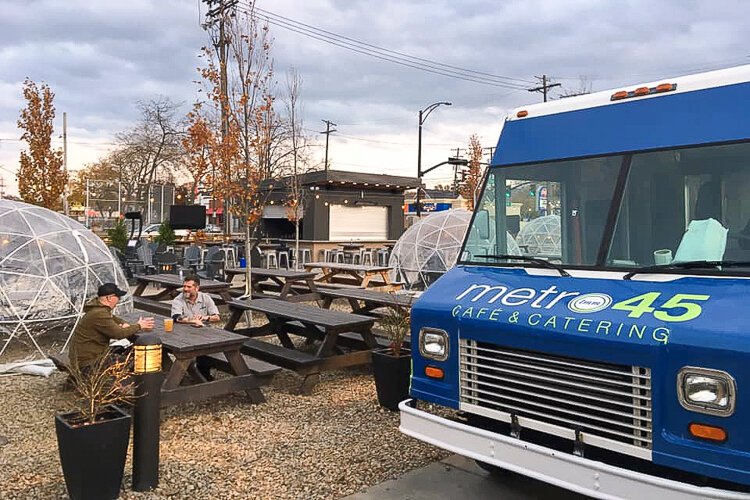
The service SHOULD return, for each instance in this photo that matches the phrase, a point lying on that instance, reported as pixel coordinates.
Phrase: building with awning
(339, 206)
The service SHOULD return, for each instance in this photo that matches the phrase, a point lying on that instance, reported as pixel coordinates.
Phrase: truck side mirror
(482, 224)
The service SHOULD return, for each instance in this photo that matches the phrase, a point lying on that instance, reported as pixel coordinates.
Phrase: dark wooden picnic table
(290, 284)
(332, 330)
(186, 343)
(366, 301)
(354, 274)
(172, 283)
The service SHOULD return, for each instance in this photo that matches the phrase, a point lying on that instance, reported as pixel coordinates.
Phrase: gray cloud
(101, 57)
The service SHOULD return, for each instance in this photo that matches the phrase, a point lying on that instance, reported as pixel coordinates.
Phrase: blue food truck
(605, 346)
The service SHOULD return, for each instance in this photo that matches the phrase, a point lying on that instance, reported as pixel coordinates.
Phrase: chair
(213, 264)
(191, 258)
(146, 259)
(166, 262)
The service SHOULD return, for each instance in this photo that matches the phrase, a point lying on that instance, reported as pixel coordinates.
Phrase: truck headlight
(433, 343)
(706, 391)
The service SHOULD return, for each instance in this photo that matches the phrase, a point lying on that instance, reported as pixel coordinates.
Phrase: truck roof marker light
(434, 372)
(642, 91)
(665, 87)
(708, 432)
(622, 94)
(522, 114)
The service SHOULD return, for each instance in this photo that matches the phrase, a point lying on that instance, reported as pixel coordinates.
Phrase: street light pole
(423, 114)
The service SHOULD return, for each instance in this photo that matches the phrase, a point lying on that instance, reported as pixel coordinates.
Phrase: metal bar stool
(283, 258)
(269, 256)
(383, 255)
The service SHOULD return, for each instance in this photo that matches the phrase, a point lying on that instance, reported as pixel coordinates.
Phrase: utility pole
(544, 87)
(328, 132)
(2, 187)
(455, 174)
(217, 12)
(66, 210)
(491, 151)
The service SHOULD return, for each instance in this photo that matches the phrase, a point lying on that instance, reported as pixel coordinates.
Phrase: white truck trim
(565, 470)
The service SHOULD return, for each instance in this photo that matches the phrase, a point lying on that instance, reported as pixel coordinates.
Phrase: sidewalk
(457, 477)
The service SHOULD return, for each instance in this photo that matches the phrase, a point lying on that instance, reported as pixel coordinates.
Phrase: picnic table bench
(293, 286)
(333, 330)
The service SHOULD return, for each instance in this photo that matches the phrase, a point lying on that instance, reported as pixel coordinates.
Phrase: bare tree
(238, 144)
(584, 87)
(151, 149)
(299, 162)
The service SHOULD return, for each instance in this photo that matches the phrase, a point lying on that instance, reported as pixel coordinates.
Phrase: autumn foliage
(469, 189)
(41, 177)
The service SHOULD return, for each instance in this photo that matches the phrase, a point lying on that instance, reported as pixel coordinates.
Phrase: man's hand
(146, 323)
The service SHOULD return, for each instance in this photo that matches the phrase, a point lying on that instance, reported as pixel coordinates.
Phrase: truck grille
(605, 403)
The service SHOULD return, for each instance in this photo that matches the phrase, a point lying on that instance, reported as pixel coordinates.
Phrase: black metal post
(419, 167)
(423, 114)
(146, 414)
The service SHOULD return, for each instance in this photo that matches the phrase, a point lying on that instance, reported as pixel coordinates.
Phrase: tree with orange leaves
(469, 188)
(41, 178)
(235, 126)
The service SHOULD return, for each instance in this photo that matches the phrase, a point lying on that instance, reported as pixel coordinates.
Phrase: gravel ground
(336, 442)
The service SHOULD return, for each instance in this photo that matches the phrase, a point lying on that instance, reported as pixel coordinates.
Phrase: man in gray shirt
(193, 306)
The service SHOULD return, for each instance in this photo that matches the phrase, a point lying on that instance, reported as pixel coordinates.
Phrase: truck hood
(492, 303)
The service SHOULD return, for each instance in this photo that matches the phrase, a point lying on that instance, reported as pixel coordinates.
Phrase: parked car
(152, 230)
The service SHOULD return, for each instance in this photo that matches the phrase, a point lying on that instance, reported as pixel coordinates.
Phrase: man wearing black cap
(98, 325)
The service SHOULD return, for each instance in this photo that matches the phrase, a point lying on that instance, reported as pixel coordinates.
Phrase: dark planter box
(93, 456)
(391, 375)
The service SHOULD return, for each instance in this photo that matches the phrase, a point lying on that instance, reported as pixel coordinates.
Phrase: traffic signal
(532, 191)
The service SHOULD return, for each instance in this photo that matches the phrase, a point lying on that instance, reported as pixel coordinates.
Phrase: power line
(386, 54)
(544, 87)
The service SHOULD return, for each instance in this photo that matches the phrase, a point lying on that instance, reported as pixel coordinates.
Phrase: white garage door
(358, 223)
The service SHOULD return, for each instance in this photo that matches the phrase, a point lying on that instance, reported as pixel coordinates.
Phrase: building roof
(358, 179)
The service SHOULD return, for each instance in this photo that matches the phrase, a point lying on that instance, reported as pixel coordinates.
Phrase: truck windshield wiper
(692, 264)
(541, 262)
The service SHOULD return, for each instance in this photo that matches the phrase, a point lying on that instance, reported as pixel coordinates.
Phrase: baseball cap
(109, 289)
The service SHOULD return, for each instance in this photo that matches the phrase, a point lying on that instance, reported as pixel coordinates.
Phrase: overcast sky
(101, 57)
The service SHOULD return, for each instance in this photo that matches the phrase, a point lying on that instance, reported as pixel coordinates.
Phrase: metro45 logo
(680, 302)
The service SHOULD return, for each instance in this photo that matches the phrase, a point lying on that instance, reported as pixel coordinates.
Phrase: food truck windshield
(673, 208)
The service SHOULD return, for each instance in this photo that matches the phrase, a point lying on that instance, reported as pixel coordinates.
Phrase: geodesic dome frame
(541, 237)
(430, 247)
(50, 266)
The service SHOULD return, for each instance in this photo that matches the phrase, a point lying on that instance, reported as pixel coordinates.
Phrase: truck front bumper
(565, 470)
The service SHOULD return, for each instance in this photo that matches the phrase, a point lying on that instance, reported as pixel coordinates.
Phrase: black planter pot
(391, 375)
(93, 456)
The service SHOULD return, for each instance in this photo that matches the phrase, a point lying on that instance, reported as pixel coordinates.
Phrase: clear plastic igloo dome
(431, 246)
(50, 266)
(541, 236)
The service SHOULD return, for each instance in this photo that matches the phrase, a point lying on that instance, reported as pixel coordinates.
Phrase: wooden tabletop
(185, 338)
(273, 273)
(394, 299)
(346, 267)
(174, 281)
(304, 313)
